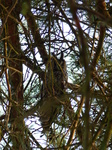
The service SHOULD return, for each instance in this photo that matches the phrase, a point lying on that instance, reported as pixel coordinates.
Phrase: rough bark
(15, 78)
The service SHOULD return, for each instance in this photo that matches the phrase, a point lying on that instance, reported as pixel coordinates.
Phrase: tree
(34, 34)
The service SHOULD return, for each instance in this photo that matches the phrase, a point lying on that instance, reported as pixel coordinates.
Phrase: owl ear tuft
(61, 57)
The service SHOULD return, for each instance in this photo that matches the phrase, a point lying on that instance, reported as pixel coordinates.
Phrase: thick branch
(101, 8)
(39, 42)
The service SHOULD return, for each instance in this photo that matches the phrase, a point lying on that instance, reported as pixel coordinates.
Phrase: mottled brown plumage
(52, 88)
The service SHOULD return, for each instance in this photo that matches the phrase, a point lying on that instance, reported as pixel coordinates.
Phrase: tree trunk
(15, 77)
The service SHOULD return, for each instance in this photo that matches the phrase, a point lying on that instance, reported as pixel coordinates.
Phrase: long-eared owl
(53, 87)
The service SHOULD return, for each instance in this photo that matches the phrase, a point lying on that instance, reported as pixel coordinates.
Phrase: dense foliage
(33, 36)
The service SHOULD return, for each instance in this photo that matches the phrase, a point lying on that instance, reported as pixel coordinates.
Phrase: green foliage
(31, 32)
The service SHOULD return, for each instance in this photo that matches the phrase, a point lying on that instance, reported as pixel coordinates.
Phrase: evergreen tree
(55, 74)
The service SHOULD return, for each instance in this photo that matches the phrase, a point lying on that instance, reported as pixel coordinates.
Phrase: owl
(53, 87)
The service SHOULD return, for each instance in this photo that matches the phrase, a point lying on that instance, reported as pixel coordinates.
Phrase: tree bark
(15, 77)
